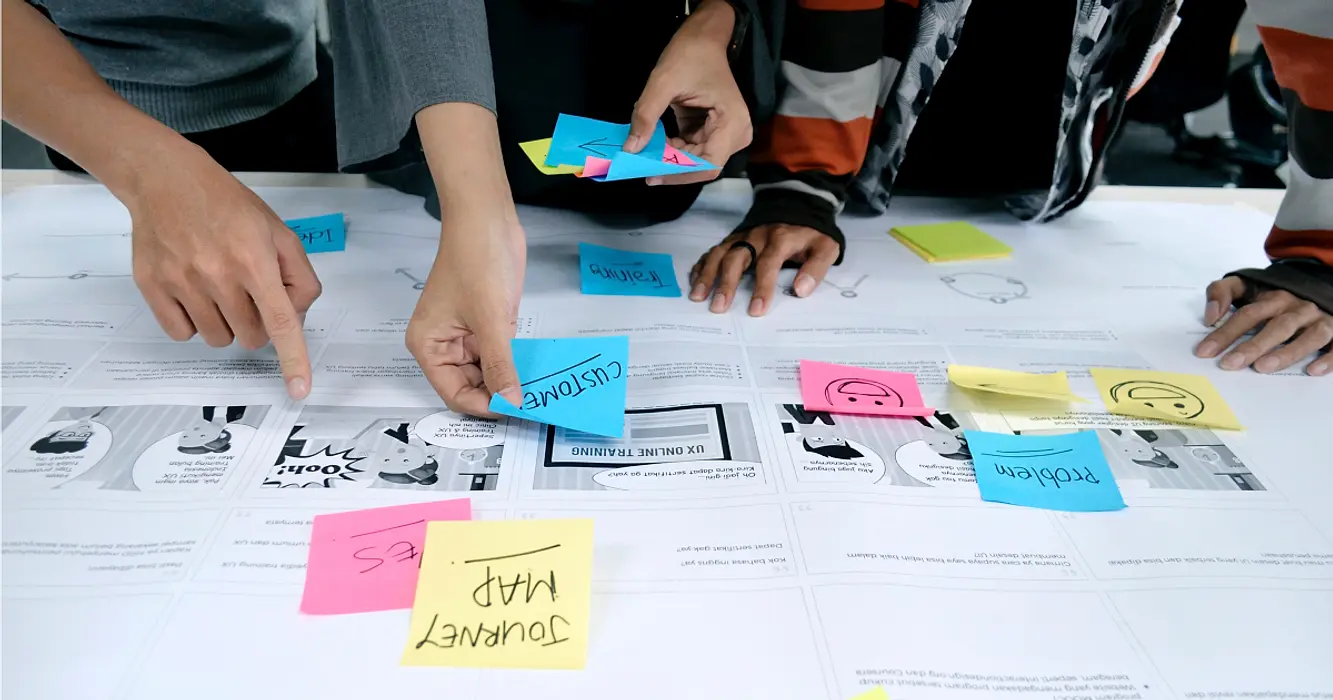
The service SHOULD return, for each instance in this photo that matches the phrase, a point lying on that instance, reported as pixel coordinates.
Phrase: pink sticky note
(677, 156)
(596, 167)
(871, 392)
(367, 560)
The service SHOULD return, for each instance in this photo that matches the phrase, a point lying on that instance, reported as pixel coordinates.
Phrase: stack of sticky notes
(950, 241)
(592, 149)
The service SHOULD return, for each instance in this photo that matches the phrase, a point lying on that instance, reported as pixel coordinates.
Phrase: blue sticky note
(608, 271)
(576, 138)
(320, 234)
(1054, 472)
(575, 383)
(627, 166)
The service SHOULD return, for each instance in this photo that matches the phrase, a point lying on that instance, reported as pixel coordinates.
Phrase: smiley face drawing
(860, 393)
(1159, 396)
(996, 289)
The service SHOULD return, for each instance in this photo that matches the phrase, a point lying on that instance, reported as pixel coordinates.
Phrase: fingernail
(511, 395)
(805, 284)
(756, 307)
(1233, 361)
(1319, 369)
(1211, 313)
(1207, 348)
(298, 388)
(632, 145)
(1267, 364)
(653, 181)
(719, 303)
(698, 293)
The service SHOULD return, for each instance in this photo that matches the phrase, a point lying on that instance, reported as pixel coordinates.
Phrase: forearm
(51, 93)
(462, 146)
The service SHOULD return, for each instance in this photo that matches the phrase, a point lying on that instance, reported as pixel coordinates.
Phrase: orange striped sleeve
(812, 143)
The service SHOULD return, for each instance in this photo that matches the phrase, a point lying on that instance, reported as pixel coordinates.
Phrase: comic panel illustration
(1192, 459)
(147, 448)
(388, 448)
(690, 448)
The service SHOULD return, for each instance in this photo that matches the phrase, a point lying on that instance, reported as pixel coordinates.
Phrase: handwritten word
(1049, 477)
(629, 276)
(572, 382)
(451, 635)
(400, 551)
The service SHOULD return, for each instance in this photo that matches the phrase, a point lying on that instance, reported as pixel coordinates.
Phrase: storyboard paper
(159, 496)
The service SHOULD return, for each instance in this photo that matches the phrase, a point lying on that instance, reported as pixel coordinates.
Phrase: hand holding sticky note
(1054, 472)
(1164, 396)
(1054, 387)
(320, 234)
(575, 383)
(608, 271)
(503, 594)
(950, 241)
(367, 560)
(592, 149)
(857, 390)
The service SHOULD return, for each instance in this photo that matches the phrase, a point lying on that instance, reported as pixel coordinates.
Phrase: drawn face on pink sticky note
(844, 389)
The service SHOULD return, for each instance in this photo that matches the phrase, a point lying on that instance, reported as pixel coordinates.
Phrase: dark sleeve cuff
(780, 206)
(1310, 280)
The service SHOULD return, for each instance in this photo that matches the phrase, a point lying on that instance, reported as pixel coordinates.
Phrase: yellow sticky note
(1165, 396)
(1002, 381)
(876, 693)
(953, 240)
(503, 594)
(536, 152)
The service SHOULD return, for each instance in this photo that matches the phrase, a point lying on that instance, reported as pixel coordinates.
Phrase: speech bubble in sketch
(997, 289)
(1162, 397)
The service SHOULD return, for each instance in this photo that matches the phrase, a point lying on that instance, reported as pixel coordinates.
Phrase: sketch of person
(825, 441)
(208, 434)
(406, 461)
(945, 437)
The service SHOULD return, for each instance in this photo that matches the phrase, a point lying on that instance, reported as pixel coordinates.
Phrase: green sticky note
(949, 241)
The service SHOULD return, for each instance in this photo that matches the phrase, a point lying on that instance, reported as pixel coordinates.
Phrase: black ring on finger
(754, 254)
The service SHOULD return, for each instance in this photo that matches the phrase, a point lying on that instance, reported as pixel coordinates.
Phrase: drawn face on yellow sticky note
(1180, 398)
(503, 594)
(1159, 396)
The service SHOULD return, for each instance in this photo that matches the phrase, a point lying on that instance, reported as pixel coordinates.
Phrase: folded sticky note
(1167, 396)
(594, 167)
(536, 152)
(610, 271)
(366, 560)
(1002, 381)
(1055, 472)
(857, 390)
(320, 234)
(503, 594)
(575, 383)
(954, 240)
(576, 138)
(628, 166)
(679, 157)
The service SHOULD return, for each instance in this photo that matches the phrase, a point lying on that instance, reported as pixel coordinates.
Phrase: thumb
(497, 358)
(648, 110)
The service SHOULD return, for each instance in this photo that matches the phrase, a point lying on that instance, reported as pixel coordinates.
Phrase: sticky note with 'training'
(610, 271)
(575, 383)
(1054, 472)
(503, 594)
(367, 560)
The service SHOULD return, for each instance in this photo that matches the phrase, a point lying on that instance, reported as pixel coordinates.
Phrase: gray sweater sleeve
(393, 58)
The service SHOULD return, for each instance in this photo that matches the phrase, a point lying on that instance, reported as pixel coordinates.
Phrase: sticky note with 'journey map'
(949, 241)
(609, 271)
(1054, 472)
(1164, 396)
(503, 594)
(367, 560)
(320, 234)
(575, 383)
(858, 390)
(1054, 387)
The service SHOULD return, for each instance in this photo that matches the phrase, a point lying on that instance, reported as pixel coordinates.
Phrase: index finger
(283, 326)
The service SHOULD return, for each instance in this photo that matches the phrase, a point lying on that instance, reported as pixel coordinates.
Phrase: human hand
(468, 312)
(1290, 328)
(210, 257)
(721, 268)
(694, 79)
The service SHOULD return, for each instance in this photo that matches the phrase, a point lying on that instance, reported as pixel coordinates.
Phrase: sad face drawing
(1159, 396)
(860, 393)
